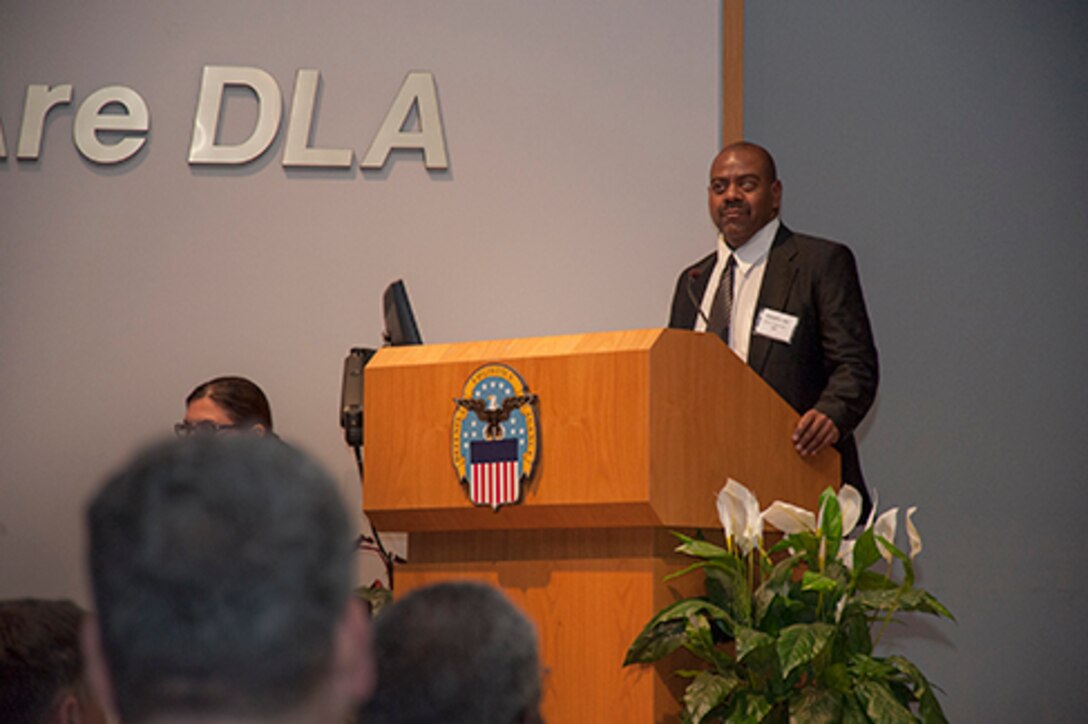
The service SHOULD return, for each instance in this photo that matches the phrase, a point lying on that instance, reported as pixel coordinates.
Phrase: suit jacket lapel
(774, 292)
(700, 278)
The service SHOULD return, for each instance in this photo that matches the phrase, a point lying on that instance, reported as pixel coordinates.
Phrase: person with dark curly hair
(41, 665)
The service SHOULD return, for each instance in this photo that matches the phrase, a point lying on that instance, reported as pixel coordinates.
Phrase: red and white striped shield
(494, 478)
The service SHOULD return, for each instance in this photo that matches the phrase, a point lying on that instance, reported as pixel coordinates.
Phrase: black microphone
(692, 276)
(351, 395)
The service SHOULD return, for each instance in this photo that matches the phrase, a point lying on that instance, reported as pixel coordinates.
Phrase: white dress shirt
(751, 260)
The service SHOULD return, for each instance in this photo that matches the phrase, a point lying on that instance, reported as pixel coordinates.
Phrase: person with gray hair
(41, 669)
(456, 653)
(222, 573)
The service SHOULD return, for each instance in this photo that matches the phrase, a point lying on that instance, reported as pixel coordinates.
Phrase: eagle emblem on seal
(495, 436)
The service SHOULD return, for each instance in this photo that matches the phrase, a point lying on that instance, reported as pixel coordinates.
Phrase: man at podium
(788, 304)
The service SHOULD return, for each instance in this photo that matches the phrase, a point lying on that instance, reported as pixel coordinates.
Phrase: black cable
(388, 559)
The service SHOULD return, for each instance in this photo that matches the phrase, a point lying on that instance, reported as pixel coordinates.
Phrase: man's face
(741, 196)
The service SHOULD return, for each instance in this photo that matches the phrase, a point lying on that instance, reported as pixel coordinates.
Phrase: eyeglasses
(204, 427)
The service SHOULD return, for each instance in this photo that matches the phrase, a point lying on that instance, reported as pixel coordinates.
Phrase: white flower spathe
(738, 510)
(846, 553)
(790, 518)
(885, 528)
(850, 505)
(912, 533)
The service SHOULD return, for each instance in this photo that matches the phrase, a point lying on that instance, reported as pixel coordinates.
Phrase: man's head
(744, 192)
(221, 569)
(41, 668)
(458, 653)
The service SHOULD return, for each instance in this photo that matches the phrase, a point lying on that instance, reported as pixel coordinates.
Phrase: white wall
(578, 137)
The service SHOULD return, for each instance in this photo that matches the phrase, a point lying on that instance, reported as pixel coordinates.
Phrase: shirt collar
(754, 250)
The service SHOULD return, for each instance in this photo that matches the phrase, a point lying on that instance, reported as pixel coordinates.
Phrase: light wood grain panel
(713, 417)
(594, 400)
(637, 428)
(732, 71)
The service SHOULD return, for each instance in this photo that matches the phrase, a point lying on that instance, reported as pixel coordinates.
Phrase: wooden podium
(639, 431)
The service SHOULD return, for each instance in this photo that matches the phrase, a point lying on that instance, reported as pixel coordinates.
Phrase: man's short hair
(220, 568)
(458, 653)
(40, 659)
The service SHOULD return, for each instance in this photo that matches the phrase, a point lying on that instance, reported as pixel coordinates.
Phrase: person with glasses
(226, 404)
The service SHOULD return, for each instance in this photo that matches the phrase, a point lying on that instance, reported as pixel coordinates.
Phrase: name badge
(778, 326)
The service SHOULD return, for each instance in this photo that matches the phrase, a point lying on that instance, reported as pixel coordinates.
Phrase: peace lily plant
(787, 633)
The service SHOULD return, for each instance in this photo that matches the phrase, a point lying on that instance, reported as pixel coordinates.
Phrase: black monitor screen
(400, 323)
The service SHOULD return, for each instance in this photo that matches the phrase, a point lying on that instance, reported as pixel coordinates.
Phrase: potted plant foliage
(787, 634)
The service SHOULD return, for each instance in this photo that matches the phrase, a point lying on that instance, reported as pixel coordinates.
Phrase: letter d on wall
(204, 149)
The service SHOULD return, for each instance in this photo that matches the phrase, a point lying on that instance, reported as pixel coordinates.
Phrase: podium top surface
(519, 348)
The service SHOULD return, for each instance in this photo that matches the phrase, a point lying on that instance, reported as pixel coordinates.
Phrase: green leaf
(656, 641)
(908, 567)
(684, 571)
(929, 709)
(868, 667)
(865, 551)
(667, 631)
(885, 600)
(804, 542)
(852, 712)
(854, 634)
(749, 709)
(881, 705)
(776, 583)
(830, 521)
(813, 705)
(818, 582)
(801, 643)
(707, 692)
(910, 672)
(699, 640)
(376, 596)
(836, 678)
(749, 640)
(918, 600)
(702, 549)
(900, 599)
(869, 581)
(728, 588)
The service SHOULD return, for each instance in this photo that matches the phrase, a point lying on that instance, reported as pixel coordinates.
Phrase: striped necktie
(721, 312)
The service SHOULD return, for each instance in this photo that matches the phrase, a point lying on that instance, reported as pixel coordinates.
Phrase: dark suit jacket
(831, 360)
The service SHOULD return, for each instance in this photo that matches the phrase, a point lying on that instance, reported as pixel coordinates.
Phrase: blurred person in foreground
(456, 653)
(41, 667)
(222, 575)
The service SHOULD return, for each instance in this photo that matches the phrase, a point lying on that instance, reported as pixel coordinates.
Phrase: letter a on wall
(418, 90)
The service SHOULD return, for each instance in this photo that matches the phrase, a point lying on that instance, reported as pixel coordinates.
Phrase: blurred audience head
(226, 404)
(41, 667)
(457, 653)
(222, 576)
